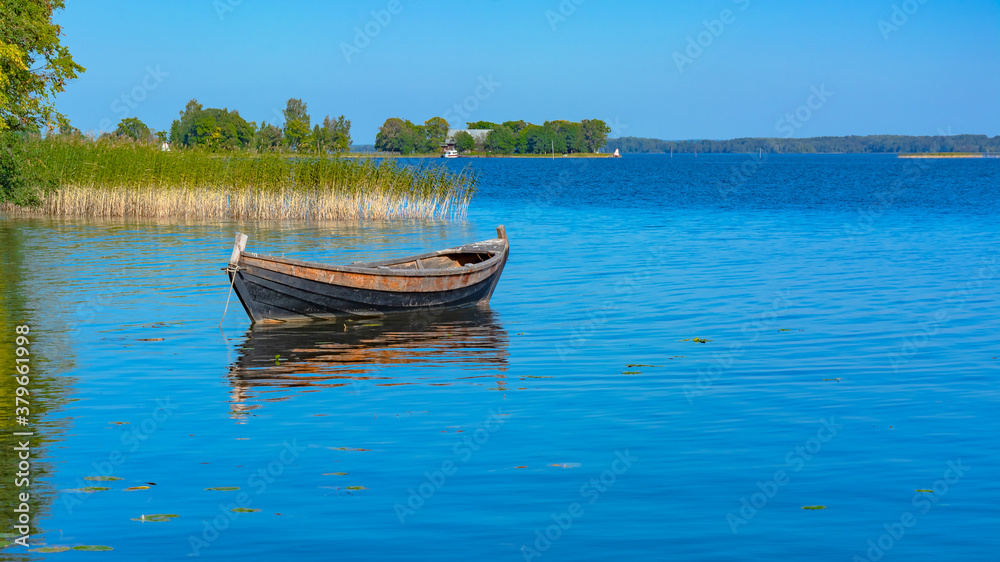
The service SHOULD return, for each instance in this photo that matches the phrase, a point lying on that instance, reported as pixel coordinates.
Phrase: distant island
(880, 144)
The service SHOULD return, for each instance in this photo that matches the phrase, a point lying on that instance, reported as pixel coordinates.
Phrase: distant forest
(852, 144)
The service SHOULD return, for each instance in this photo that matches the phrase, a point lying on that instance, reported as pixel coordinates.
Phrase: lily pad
(92, 548)
(101, 478)
(924, 491)
(355, 488)
(50, 549)
(814, 507)
(244, 510)
(136, 488)
(224, 488)
(4, 543)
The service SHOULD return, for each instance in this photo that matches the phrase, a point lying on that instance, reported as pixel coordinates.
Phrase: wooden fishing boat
(274, 289)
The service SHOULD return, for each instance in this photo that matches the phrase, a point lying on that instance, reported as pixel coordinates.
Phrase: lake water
(850, 313)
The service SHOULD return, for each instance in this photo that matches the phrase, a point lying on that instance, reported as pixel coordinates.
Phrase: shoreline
(944, 155)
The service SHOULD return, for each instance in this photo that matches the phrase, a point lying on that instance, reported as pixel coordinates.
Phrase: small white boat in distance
(616, 154)
(450, 154)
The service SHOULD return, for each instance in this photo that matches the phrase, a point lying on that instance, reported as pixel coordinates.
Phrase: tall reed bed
(121, 179)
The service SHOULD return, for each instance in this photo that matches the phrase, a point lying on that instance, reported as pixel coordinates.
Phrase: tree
(336, 134)
(480, 125)
(22, 174)
(595, 134)
(268, 137)
(436, 130)
(296, 124)
(515, 126)
(464, 141)
(68, 130)
(212, 128)
(132, 128)
(501, 139)
(399, 135)
(34, 66)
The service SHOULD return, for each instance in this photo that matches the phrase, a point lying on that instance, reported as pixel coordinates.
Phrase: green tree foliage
(435, 132)
(68, 130)
(334, 135)
(515, 126)
(24, 176)
(464, 142)
(268, 138)
(212, 128)
(480, 125)
(132, 128)
(404, 137)
(595, 134)
(34, 66)
(501, 140)
(296, 128)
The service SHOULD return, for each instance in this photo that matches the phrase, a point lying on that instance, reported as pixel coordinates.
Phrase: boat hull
(279, 290)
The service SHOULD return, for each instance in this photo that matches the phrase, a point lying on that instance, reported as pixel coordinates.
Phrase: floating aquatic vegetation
(924, 491)
(223, 489)
(149, 339)
(631, 372)
(244, 510)
(92, 548)
(136, 488)
(836, 379)
(334, 474)
(102, 478)
(537, 377)
(49, 549)
(697, 340)
(355, 488)
(522, 466)
(566, 465)
(814, 507)
(119, 423)
(156, 517)
(347, 449)
(89, 489)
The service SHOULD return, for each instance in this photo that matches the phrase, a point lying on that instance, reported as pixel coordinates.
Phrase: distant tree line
(851, 144)
(510, 137)
(221, 129)
(564, 137)
(404, 137)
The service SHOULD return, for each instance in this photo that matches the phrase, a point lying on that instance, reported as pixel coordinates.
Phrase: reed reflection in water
(434, 347)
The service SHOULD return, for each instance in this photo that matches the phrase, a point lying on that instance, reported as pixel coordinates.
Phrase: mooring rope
(231, 268)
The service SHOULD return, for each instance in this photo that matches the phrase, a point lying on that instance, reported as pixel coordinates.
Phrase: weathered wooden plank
(238, 246)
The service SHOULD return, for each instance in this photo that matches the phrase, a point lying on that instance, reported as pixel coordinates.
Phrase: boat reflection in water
(437, 347)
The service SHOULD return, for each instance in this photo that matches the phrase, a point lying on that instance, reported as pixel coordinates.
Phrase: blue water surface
(848, 307)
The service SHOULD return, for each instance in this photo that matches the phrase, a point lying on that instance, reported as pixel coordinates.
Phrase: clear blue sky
(935, 69)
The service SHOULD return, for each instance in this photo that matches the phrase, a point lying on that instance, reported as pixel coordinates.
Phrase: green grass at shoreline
(127, 179)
